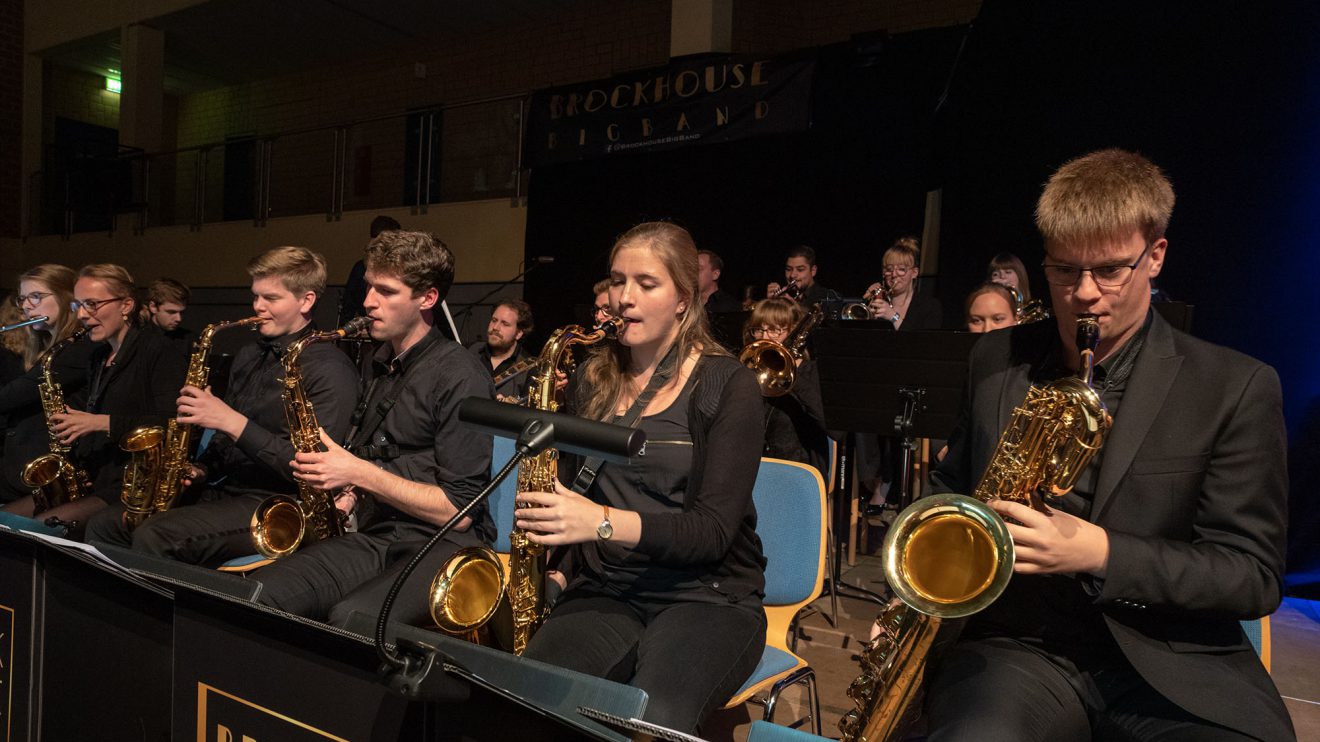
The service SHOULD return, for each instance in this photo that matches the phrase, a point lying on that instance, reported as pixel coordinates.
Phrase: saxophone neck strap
(591, 467)
(364, 426)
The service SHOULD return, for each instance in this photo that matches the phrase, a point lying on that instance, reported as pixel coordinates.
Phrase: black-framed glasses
(1108, 276)
(92, 305)
(31, 299)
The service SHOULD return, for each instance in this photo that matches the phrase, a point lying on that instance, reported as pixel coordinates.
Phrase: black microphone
(574, 434)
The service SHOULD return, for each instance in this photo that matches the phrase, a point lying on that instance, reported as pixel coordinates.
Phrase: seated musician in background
(1007, 269)
(1121, 620)
(162, 311)
(800, 271)
(248, 458)
(713, 298)
(409, 465)
(794, 422)
(355, 286)
(43, 291)
(667, 575)
(133, 378)
(502, 349)
(906, 308)
(601, 309)
(990, 306)
(12, 344)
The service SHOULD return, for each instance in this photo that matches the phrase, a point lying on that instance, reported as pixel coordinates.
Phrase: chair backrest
(501, 500)
(832, 466)
(790, 508)
(1258, 633)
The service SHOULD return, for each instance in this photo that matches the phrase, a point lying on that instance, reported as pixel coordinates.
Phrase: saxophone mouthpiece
(1088, 337)
(355, 326)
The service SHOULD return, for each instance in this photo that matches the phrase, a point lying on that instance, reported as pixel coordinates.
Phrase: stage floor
(832, 651)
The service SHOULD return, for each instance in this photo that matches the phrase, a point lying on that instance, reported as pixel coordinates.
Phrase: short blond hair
(299, 269)
(1105, 195)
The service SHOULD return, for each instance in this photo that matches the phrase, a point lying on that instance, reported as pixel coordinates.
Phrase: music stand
(904, 384)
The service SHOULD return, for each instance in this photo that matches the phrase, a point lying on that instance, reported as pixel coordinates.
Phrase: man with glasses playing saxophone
(248, 458)
(1121, 620)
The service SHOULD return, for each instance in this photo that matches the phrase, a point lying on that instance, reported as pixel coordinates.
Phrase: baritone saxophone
(948, 556)
(471, 588)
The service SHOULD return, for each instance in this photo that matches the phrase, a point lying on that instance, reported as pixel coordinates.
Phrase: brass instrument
(281, 523)
(154, 476)
(775, 364)
(789, 290)
(471, 588)
(949, 556)
(1028, 312)
(862, 309)
(53, 478)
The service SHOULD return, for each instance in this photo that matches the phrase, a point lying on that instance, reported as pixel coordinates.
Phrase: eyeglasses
(763, 332)
(1108, 276)
(92, 305)
(603, 309)
(897, 270)
(31, 299)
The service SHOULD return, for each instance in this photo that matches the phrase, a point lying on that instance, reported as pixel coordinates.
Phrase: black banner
(695, 102)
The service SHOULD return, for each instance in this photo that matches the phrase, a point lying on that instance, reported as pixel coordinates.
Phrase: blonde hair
(10, 314)
(1105, 195)
(673, 246)
(121, 284)
(775, 312)
(299, 269)
(59, 280)
(904, 247)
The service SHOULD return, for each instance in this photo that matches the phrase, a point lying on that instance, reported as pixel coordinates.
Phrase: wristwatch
(606, 529)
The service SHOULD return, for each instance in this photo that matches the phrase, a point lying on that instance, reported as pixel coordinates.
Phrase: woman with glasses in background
(795, 422)
(43, 291)
(905, 308)
(133, 379)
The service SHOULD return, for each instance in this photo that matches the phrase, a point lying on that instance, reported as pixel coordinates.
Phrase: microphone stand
(405, 670)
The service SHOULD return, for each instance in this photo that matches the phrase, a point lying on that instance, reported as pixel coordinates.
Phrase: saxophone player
(1121, 620)
(248, 458)
(665, 593)
(132, 379)
(409, 463)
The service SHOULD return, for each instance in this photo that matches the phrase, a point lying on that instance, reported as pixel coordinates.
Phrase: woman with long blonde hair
(664, 546)
(43, 291)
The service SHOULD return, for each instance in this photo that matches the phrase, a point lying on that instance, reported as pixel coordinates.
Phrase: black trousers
(1001, 690)
(690, 658)
(332, 579)
(208, 533)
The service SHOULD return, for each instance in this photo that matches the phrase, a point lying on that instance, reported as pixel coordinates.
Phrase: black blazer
(141, 388)
(924, 313)
(1192, 491)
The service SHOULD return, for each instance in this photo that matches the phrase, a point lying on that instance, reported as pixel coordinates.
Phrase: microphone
(568, 433)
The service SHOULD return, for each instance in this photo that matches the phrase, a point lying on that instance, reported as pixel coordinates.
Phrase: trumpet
(789, 290)
(862, 309)
(1026, 312)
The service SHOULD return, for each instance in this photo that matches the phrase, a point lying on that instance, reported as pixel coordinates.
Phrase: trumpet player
(408, 466)
(800, 278)
(1121, 619)
(247, 459)
(896, 299)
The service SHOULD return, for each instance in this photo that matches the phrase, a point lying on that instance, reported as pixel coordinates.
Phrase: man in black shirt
(800, 269)
(248, 458)
(1121, 620)
(408, 466)
(503, 351)
(166, 301)
(709, 267)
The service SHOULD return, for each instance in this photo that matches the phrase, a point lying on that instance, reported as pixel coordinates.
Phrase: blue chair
(1258, 633)
(31, 525)
(764, 731)
(790, 519)
(500, 504)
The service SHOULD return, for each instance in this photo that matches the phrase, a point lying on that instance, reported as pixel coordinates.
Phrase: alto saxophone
(53, 478)
(470, 588)
(949, 556)
(154, 476)
(282, 523)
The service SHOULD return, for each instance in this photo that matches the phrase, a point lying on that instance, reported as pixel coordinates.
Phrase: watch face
(605, 530)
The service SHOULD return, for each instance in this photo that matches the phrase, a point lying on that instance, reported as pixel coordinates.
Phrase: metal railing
(457, 152)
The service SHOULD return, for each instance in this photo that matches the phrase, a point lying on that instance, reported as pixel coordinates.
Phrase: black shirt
(795, 422)
(719, 302)
(514, 386)
(259, 460)
(408, 425)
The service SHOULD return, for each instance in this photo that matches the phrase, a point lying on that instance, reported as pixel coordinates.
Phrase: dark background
(1225, 96)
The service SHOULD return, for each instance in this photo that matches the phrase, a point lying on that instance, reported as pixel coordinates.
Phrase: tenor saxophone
(52, 476)
(281, 523)
(471, 588)
(153, 477)
(949, 556)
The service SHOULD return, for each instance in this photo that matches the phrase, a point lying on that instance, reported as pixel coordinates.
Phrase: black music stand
(904, 384)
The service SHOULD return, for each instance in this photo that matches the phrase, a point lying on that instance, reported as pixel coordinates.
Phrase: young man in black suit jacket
(1121, 620)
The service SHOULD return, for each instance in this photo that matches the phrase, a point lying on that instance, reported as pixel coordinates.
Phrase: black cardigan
(714, 534)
